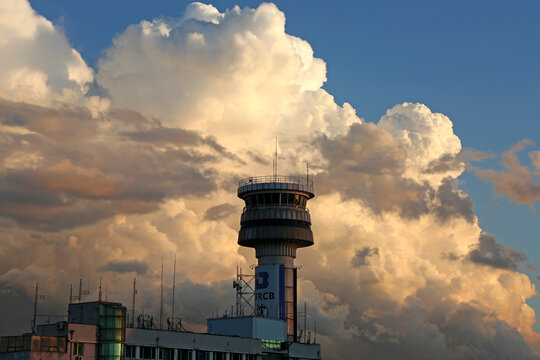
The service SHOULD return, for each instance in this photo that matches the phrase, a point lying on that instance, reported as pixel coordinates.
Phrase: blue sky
(476, 62)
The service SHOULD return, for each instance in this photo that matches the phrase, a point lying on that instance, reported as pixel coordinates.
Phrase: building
(276, 222)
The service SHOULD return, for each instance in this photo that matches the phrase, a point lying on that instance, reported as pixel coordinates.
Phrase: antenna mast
(275, 161)
(173, 284)
(99, 298)
(36, 298)
(161, 299)
(133, 303)
(35, 309)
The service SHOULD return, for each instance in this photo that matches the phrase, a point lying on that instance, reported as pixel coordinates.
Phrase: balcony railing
(301, 180)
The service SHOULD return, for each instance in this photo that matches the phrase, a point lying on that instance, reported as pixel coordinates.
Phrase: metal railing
(268, 206)
(301, 180)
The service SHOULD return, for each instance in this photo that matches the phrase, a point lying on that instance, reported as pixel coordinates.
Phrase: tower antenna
(173, 284)
(275, 161)
(161, 299)
(133, 302)
(99, 298)
(36, 298)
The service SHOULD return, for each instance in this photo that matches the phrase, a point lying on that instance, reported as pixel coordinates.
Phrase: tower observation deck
(276, 222)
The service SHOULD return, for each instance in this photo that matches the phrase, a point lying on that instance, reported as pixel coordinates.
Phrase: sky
(125, 127)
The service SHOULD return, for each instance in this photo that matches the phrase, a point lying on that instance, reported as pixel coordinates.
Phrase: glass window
(251, 200)
(147, 352)
(275, 199)
(78, 349)
(296, 201)
(184, 354)
(130, 351)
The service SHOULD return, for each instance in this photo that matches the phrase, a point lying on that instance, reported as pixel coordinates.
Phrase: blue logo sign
(262, 280)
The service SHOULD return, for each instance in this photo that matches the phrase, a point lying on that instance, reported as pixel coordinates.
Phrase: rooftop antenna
(173, 284)
(36, 298)
(133, 302)
(307, 172)
(70, 293)
(274, 162)
(99, 297)
(161, 299)
(81, 291)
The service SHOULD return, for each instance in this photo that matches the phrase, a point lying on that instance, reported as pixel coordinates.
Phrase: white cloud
(38, 65)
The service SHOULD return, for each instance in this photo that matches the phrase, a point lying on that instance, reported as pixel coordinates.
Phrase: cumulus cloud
(428, 139)
(239, 75)
(125, 266)
(489, 252)
(518, 183)
(41, 68)
(90, 190)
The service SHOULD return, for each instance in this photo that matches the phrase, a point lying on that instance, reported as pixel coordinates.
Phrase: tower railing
(266, 206)
(301, 180)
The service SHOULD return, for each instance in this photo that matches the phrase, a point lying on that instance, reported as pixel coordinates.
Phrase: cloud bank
(105, 186)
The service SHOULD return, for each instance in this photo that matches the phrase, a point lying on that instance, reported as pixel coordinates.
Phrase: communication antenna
(99, 296)
(133, 302)
(307, 172)
(245, 293)
(173, 284)
(82, 292)
(36, 298)
(161, 299)
(274, 162)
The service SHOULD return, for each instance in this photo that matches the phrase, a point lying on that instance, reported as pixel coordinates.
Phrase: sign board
(270, 291)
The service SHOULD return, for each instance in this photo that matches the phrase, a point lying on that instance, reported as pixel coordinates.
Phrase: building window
(130, 351)
(78, 349)
(148, 352)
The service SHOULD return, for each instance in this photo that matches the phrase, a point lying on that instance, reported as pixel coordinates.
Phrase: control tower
(276, 222)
